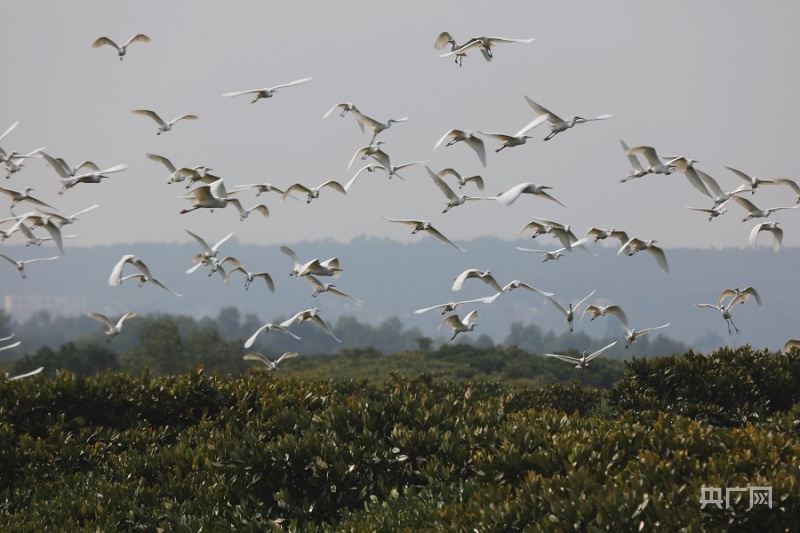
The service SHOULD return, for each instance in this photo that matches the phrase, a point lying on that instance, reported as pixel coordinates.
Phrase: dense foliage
(262, 452)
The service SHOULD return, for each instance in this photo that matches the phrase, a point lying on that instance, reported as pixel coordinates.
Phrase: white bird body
(259, 187)
(95, 176)
(452, 306)
(549, 255)
(313, 316)
(459, 326)
(344, 108)
(725, 310)
(312, 192)
(38, 220)
(272, 365)
(469, 138)
(267, 327)
(510, 196)
(635, 245)
(557, 124)
(64, 170)
(518, 138)
(116, 272)
(755, 212)
(214, 196)
(712, 212)
(569, 312)
(686, 167)
(330, 288)
(121, 49)
(751, 182)
(63, 220)
(373, 150)
(601, 234)
(424, 225)
(209, 251)
(266, 92)
(14, 160)
(23, 196)
(113, 329)
(443, 40)
(772, 227)
(716, 192)
(602, 310)
(20, 265)
(583, 361)
(631, 335)
(315, 267)
(163, 126)
(483, 275)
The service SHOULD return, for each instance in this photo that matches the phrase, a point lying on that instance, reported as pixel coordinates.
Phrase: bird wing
(477, 145)
(541, 110)
(314, 281)
(27, 375)
(648, 152)
(185, 117)
(633, 241)
(777, 233)
(296, 187)
(740, 174)
(201, 241)
(282, 330)
(694, 179)
(619, 313)
(598, 352)
(57, 165)
(661, 258)
(289, 321)
(138, 263)
(407, 221)
(100, 41)
(288, 251)
(711, 183)
(433, 231)
(335, 185)
(295, 82)
(754, 233)
(634, 161)
(287, 355)
(442, 185)
(321, 323)
(648, 330)
(125, 317)
(55, 234)
(101, 318)
(9, 130)
(159, 284)
(780, 181)
(239, 93)
(451, 133)
(510, 196)
(498, 40)
(250, 341)
(334, 108)
(340, 293)
(461, 278)
(566, 358)
(260, 358)
(472, 315)
(581, 302)
(163, 160)
(151, 114)
(472, 43)
(364, 120)
(453, 321)
(442, 40)
(557, 305)
(116, 272)
(139, 37)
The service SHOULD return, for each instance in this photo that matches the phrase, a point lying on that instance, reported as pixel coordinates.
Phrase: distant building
(22, 306)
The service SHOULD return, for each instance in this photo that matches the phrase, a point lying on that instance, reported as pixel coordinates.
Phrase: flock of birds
(209, 191)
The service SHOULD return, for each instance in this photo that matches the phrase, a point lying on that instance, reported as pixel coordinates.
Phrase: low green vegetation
(264, 451)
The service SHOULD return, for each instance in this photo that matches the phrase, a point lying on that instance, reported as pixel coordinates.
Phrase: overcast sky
(714, 81)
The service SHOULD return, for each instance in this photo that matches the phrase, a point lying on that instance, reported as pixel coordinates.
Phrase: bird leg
(551, 135)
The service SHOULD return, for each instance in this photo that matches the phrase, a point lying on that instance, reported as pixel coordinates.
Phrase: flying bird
(485, 276)
(121, 49)
(602, 310)
(558, 124)
(755, 212)
(510, 196)
(725, 310)
(208, 251)
(315, 267)
(637, 170)
(116, 272)
(743, 294)
(113, 329)
(23, 196)
(95, 176)
(549, 255)
(583, 361)
(461, 179)
(162, 125)
(655, 166)
(21, 264)
(452, 306)
(632, 335)
(63, 169)
(249, 276)
(272, 365)
(469, 138)
(484, 44)
(713, 212)
(443, 40)
(266, 92)
(267, 327)
(569, 313)
(772, 227)
(635, 245)
(344, 108)
(374, 150)
(518, 138)
(330, 288)
(459, 326)
(424, 225)
(312, 192)
(453, 199)
(374, 125)
(313, 316)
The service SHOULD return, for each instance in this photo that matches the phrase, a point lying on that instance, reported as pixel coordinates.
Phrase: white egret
(601, 234)
(143, 278)
(391, 171)
(484, 44)
(755, 212)
(272, 365)
(214, 265)
(313, 316)
(14, 160)
(632, 335)
(602, 310)
(655, 166)
(743, 294)
(113, 329)
(163, 125)
(214, 196)
(23, 196)
(726, 309)
(209, 251)
(583, 361)
(453, 199)
(772, 227)
(424, 225)
(686, 167)
(312, 192)
(249, 276)
(95, 176)
(510, 196)
(63, 169)
(549, 255)
(443, 40)
(459, 326)
(452, 306)
(21, 264)
(517, 284)
(569, 312)
(751, 182)
(712, 212)
(344, 108)
(374, 125)
(259, 187)
(461, 179)
(116, 272)
(38, 220)
(330, 288)
(329, 267)
(377, 154)
(558, 124)
(483, 275)
(469, 138)
(518, 138)
(267, 327)
(719, 196)
(266, 92)
(635, 245)
(121, 49)
(63, 220)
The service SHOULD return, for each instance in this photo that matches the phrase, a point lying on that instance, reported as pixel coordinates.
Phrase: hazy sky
(710, 80)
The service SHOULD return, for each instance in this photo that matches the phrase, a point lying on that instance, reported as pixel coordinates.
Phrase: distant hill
(394, 279)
